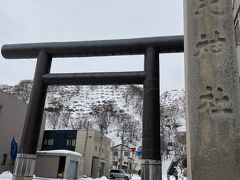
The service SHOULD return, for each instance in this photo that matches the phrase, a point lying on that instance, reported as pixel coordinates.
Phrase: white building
(131, 163)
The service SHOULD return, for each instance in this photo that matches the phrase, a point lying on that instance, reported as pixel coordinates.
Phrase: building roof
(59, 152)
(120, 145)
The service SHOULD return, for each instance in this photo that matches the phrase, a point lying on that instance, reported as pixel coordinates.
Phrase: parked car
(118, 173)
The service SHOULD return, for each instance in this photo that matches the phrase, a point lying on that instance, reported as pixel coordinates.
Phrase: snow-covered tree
(53, 111)
(81, 122)
(123, 123)
(66, 116)
(172, 115)
(103, 114)
(133, 97)
(22, 90)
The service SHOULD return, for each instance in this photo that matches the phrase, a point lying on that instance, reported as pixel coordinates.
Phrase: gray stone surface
(151, 169)
(212, 91)
(24, 167)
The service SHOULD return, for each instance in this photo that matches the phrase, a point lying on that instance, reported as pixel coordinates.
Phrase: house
(131, 163)
(59, 164)
(12, 118)
(74, 140)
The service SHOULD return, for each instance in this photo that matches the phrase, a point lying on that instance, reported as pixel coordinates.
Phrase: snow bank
(136, 177)
(102, 178)
(60, 152)
(165, 164)
(7, 175)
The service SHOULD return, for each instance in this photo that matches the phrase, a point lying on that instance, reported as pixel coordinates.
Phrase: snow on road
(165, 165)
(8, 176)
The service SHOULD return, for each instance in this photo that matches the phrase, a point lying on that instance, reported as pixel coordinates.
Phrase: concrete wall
(80, 165)
(93, 145)
(105, 154)
(47, 163)
(47, 166)
(80, 148)
(12, 117)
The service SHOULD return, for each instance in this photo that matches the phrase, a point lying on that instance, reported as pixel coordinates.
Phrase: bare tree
(134, 134)
(22, 90)
(65, 117)
(180, 145)
(81, 122)
(171, 114)
(103, 114)
(134, 98)
(124, 125)
(54, 110)
(52, 119)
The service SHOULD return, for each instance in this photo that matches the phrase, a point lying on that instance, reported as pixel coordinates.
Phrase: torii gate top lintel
(165, 44)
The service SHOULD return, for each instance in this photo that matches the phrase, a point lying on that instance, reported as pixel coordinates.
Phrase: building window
(48, 142)
(3, 159)
(71, 142)
(126, 153)
(115, 153)
(95, 148)
(115, 163)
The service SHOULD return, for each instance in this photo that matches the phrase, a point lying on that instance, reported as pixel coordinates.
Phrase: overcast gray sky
(24, 21)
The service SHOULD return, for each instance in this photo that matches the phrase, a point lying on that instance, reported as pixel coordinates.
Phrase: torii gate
(212, 90)
(44, 52)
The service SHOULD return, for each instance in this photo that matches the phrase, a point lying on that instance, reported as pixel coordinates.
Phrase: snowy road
(8, 176)
(165, 165)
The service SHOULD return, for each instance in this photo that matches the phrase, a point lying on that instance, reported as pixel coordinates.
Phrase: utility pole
(85, 147)
(99, 154)
(85, 144)
(121, 153)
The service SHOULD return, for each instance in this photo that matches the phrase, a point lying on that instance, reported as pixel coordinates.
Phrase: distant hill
(78, 99)
(76, 102)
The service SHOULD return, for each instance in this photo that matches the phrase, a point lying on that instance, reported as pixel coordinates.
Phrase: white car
(118, 173)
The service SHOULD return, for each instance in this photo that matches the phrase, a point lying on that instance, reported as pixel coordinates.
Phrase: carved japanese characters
(210, 45)
(214, 102)
(210, 5)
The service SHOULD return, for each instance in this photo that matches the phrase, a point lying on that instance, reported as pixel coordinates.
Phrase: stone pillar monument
(212, 91)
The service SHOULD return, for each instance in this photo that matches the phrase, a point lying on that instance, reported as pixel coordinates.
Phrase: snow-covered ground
(135, 177)
(165, 165)
(8, 176)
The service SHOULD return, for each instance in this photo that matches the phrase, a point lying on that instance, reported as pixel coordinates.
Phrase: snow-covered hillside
(71, 105)
(71, 108)
(76, 102)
